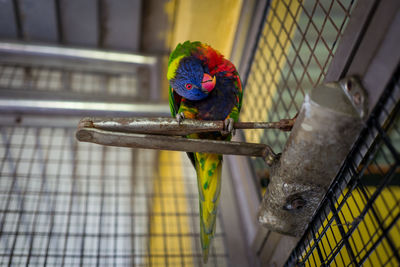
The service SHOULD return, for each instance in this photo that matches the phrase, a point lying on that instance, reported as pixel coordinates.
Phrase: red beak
(208, 82)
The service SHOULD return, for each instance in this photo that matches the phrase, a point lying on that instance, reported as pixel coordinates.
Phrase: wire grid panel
(50, 79)
(358, 221)
(296, 43)
(64, 203)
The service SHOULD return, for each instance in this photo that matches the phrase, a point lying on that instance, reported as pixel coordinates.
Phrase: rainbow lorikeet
(204, 85)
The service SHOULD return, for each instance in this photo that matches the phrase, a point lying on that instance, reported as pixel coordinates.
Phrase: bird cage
(68, 203)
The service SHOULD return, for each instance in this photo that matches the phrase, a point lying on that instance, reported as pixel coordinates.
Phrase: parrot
(203, 85)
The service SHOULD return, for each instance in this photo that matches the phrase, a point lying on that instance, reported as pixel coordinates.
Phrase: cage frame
(256, 242)
(360, 53)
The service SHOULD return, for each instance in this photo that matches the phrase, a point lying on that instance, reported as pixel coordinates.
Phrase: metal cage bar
(299, 45)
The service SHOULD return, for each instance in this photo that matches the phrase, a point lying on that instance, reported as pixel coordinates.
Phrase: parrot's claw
(228, 127)
(180, 117)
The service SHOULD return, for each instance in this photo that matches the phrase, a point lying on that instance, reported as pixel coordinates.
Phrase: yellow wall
(170, 235)
(208, 21)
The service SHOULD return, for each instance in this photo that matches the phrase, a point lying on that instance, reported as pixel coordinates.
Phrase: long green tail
(208, 168)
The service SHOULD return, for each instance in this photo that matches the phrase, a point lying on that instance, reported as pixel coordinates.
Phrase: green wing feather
(173, 106)
(184, 49)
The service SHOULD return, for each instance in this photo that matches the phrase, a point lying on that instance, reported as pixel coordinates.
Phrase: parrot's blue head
(188, 78)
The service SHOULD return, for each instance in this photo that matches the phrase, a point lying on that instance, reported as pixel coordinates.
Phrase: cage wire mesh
(358, 220)
(65, 203)
(296, 43)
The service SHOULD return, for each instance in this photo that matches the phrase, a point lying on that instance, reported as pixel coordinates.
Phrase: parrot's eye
(189, 86)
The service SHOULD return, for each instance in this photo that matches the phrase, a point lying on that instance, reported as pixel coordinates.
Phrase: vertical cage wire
(358, 220)
(296, 43)
(64, 203)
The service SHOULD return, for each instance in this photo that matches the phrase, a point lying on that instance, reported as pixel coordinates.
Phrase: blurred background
(66, 203)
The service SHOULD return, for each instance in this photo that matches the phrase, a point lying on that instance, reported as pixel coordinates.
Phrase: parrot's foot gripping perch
(228, 127)
(180, 117)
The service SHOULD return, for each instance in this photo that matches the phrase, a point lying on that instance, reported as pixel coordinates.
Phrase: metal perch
(170, 126)
(165, 133)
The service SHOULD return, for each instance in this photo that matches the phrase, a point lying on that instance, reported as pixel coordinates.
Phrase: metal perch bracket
(167, 134)
(328, 124)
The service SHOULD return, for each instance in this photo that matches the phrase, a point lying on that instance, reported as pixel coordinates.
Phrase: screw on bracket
(295, 204)
(356, 94)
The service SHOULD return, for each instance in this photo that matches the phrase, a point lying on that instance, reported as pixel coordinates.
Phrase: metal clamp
(327, 126)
